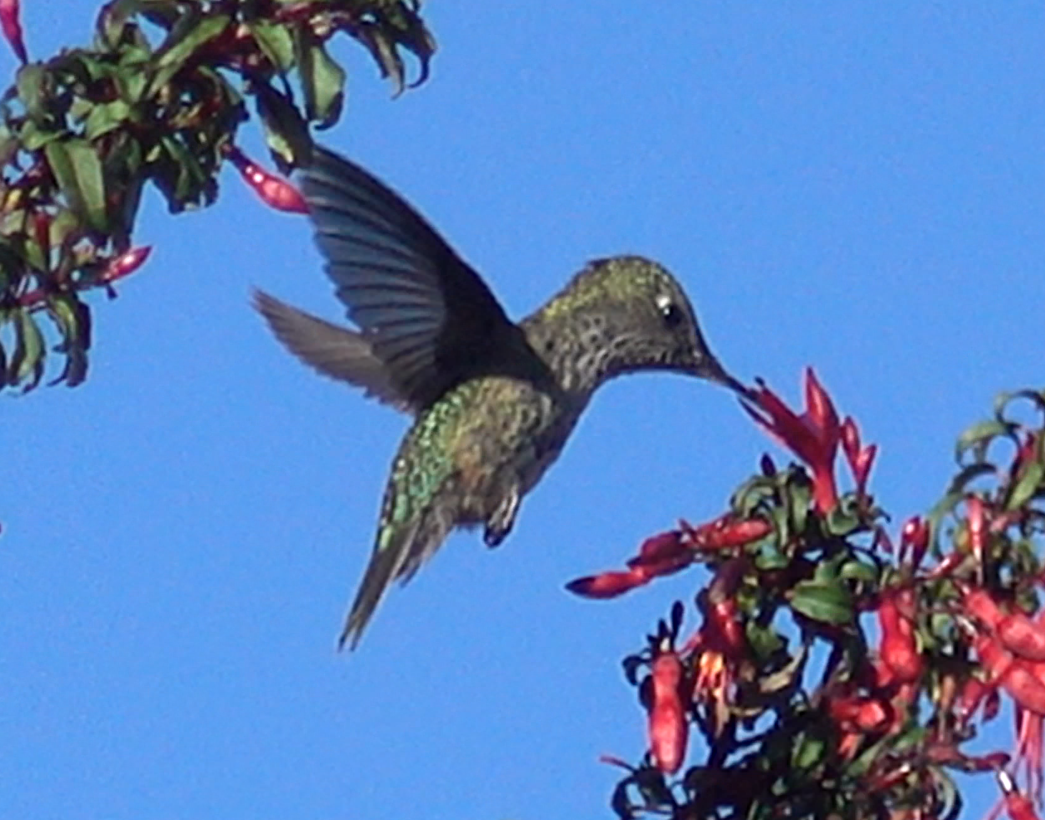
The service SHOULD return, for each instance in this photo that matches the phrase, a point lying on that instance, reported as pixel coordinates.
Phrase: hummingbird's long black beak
(712, 370)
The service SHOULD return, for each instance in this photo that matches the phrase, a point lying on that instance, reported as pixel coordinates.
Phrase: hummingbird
(493, 401)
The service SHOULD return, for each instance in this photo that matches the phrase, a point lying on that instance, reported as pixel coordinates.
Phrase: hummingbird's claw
(500, 522)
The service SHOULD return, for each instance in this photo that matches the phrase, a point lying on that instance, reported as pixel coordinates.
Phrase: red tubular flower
(668, 729)
(860, 459)
(973, 693)
(724, 532)
(724, 631)
(1022, 636)
(899, 650)
(12, 28)
(125, 264)
(813, 436)
(1026, 453)
(977, 526)
(1029, 750)
(657, 548)
(660, 555)
(1015, 631)
(914, 540)
(274, 191)
(1017, 806)
(857, 713)
(1011, 674)
(606, 584)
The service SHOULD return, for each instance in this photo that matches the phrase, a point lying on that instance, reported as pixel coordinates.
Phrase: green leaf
(186, 37)
(79, 173)
(1029, 483)
(808, 752)
(28, 361)
(322, 80)
(73, 321)
(131, 81)
(763, 640)
(855, 570)
(30, 82)
(181, 178)
(827, 602)
(827, 570)
(285, 131)
(106, 117)
(35, 136)
(978, 437)
(1036, 397)
(275, 43)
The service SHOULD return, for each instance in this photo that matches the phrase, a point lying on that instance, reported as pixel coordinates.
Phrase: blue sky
(857, 188)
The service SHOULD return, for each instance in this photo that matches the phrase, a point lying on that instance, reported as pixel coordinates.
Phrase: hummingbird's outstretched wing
(424, 312)
(334, 351)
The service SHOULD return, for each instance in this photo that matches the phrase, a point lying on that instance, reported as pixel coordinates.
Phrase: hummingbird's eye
(669, 311)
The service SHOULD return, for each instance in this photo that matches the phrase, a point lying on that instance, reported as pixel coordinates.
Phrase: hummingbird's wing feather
(426, 314)
(333, 351)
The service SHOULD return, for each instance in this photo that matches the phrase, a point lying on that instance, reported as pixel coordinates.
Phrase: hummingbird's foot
(500, 522)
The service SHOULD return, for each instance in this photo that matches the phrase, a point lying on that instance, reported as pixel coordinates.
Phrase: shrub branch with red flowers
(835, 666)
(82, 134)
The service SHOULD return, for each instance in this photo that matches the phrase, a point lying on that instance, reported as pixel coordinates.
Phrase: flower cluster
(747, 718)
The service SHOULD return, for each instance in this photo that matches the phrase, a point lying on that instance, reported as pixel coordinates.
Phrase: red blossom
(12, 28)
(858, 713)
(899, 650)
(914, 540)
(125, 264)
(274, 191)
(659, 549)
(723, 532)
(606, 584)
(977, 520)
(668, 727)
(971, 696)
(812, 436)
(1014, 675)
(1017, 805)
(1015, 631)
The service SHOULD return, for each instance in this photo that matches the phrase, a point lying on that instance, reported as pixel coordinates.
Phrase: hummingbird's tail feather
(384, 566)
(331, 350)
(396, 559)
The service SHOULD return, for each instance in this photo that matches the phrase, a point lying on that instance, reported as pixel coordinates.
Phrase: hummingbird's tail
(380, 572)
(399, 553)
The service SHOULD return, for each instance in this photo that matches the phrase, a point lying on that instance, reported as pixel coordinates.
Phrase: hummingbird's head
(631, 314)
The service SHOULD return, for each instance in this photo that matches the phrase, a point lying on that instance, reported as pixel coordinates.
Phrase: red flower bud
(820, 408)
(725, 629)
(1022, 636)
(668, 729)
(666, 545)
(914, 537)
(274, 191)
(606, 584)
(125, 264)
(860, 714)
(898, 649)
(850, 439)
(12, 28)
(972, 694)
(724, 532)
(977, 526)
(1017, 806)
(1011, 674)
(1015, 631)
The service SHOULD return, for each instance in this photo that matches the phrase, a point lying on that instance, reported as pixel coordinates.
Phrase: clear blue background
(861, 189)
